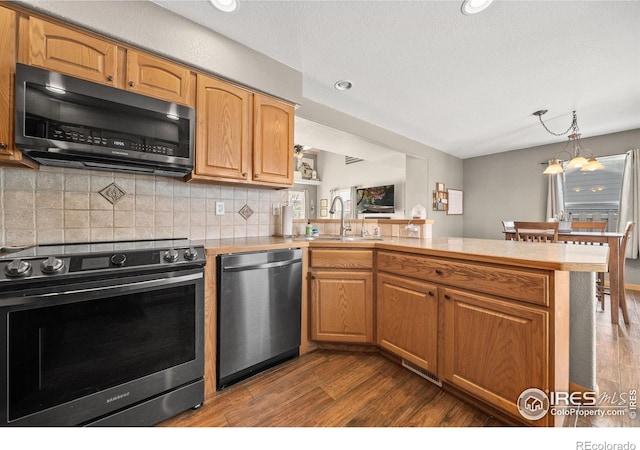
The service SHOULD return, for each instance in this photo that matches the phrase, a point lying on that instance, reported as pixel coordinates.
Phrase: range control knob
(51, 265)
(171, 255)
(18, 268)
(118, 259)
(190, 254)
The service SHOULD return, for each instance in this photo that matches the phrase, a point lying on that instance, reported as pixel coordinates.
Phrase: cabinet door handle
(245, 174)
(439, 271)
(110, 78)
(132, 84)
(3, 145)
(257, 175)
(447, 297)
(431, 294)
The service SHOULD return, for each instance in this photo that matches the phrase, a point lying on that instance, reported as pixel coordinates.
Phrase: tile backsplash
(56, 205)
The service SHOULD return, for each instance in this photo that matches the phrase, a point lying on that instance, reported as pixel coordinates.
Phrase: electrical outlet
(275, 209)
(219, 208)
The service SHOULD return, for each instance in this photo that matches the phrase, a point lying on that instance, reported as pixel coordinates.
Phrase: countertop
(561, 256)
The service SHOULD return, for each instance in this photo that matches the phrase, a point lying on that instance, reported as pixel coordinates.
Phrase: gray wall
(511, 186)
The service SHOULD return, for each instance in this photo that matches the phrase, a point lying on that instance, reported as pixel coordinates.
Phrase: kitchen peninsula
(496, 313)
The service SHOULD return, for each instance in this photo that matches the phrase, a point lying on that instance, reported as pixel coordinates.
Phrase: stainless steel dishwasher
(259, 303)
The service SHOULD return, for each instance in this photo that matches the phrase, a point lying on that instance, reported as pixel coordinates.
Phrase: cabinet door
(9, 155)
(7, 71)
(272, 141)
(159, 78)
(223, 132)
(408, 320)
(494, 349)
(342, 306)
(71, 52)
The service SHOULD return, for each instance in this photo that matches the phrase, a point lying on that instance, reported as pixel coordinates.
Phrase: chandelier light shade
(577, 158)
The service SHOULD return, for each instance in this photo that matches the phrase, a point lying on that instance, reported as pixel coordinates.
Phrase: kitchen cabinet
(223, 131)
(65, 50)
(83, 55)
(242, 137)
(407, 319)
(159, 78)
(495, 336)
(9, 155)
(272, 141)
(494, 349)
(342, 295)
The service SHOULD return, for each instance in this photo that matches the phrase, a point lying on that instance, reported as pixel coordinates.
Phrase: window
(595, 195)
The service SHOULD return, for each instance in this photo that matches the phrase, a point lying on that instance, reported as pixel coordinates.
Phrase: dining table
(610, 238)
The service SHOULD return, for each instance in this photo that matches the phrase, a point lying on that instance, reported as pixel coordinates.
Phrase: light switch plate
(219, 208)
(275, 209)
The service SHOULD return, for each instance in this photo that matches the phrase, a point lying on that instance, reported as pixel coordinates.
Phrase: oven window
(60, 353)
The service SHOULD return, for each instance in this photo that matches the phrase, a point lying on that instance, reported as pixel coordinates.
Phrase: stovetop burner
(59, 260)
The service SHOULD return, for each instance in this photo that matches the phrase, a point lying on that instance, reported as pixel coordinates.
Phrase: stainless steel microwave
(68, 122)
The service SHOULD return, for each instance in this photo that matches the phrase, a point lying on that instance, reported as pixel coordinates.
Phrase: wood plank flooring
(329, 388)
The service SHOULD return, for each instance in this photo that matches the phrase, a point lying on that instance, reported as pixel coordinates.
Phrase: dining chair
(508, 228)
(589, 226)
(601, 289)
(536, 231)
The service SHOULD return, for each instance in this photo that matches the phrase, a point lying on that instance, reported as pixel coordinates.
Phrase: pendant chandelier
(577, 158)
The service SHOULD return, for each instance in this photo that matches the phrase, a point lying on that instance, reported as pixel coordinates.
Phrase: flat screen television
(377, 199)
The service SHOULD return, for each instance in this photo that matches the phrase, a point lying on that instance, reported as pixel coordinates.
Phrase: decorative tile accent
(113, 193)
(245, 212)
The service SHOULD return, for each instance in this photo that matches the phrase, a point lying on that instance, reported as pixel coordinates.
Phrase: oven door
(92, 348)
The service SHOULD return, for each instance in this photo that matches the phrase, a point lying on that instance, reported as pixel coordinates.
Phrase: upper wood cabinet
(242, 137)
(9, 155)
(272, 141)
(156, 77)
(70, 52)
(82, 55)
(223, 131)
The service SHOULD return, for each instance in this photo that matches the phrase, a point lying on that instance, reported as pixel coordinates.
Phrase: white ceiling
(466, 85)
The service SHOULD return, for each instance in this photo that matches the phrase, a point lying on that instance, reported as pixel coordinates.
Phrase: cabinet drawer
(341, 259)
(526, 285)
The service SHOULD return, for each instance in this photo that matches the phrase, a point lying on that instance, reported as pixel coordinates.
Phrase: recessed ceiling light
(343, 85)
(225, 5)
(474, 6)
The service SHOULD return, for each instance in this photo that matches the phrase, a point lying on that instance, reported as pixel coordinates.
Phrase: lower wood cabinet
(407, 319)
(342, 306)
(494, 349)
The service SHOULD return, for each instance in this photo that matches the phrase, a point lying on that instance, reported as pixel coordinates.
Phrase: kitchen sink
(338, 238)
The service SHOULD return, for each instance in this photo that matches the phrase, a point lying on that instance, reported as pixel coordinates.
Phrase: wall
(55, 205)
(424, 165)
(511, 186)
(338, 175)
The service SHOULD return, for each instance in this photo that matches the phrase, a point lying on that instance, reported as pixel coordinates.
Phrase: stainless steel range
(106, 334)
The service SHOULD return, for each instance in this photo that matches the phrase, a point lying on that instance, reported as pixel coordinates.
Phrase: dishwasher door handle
(260, 266)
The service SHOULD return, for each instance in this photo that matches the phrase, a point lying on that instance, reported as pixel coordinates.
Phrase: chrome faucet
(343, 228)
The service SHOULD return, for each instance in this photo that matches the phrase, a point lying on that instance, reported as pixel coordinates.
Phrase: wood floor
(329, 388)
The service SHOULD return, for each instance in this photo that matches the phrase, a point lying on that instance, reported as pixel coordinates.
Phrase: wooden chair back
(589, 226)
(536, 231)
(586, 226)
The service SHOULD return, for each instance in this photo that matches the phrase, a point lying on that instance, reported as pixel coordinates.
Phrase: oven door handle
(137, 284)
